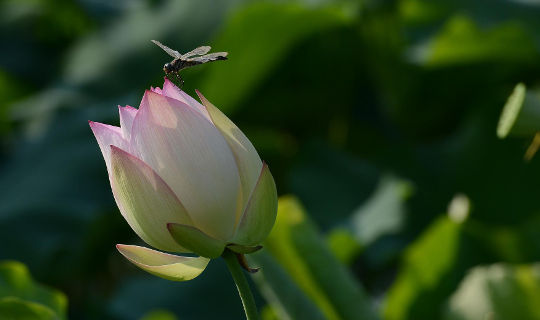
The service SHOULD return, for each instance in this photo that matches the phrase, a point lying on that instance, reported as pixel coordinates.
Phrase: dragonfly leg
(176, 79)
(180, 80)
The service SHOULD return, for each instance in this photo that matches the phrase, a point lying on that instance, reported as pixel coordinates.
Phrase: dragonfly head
(168, 68)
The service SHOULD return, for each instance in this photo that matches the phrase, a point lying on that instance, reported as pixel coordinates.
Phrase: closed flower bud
(187, 180)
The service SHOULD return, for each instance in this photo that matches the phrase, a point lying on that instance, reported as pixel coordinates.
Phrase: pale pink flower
(186, 179)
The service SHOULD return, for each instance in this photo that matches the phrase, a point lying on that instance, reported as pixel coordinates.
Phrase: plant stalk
(241, 284)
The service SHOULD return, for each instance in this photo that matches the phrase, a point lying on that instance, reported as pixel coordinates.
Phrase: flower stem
(241, 284)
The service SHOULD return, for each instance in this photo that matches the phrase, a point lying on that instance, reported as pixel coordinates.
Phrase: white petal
(192, 156)
(146, 201)
(127, 114)
(247, 159)
(172, 91)
(107, 136)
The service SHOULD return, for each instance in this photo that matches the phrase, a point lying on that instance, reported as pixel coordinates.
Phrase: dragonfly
(195, 57)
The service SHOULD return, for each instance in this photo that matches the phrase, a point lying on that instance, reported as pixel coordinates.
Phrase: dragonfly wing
(210, 57)
(196, 52)
(173, 53)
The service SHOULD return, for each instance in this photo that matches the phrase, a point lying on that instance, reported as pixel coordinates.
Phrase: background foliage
(373, 114)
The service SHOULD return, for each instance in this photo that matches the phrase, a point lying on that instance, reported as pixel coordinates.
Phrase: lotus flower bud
(186, 179)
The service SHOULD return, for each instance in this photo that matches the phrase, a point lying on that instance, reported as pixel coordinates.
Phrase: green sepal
(237, 248)
(164, 265)
(196, 241)
(260, 213)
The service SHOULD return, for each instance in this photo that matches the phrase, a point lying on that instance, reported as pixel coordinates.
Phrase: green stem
(241, 284)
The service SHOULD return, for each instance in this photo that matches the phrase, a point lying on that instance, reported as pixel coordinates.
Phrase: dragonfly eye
(167, 68)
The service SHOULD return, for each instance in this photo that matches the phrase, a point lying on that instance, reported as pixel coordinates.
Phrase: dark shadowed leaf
(302, 252)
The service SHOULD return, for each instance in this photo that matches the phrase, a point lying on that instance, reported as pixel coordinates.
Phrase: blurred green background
(374, 115)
